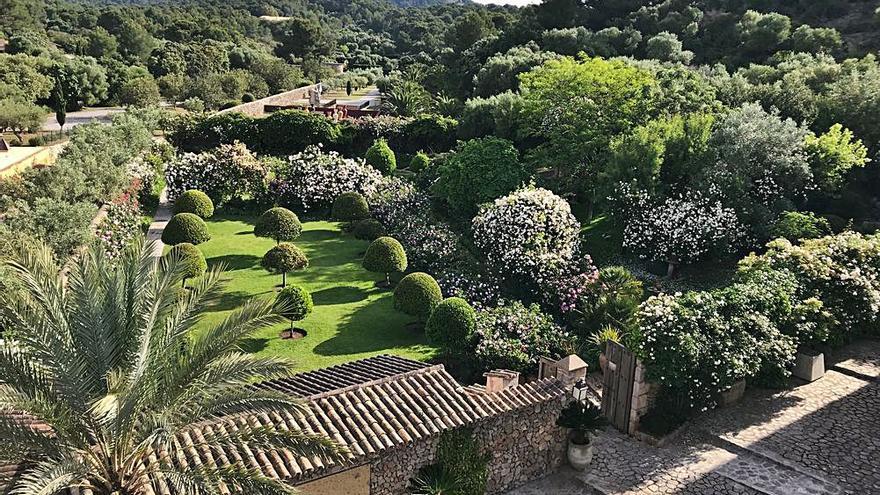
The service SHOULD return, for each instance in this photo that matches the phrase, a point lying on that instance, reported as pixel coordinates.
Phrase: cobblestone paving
(821, 438)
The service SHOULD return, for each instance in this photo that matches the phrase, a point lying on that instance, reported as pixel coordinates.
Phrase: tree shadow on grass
(253, 346)
(236, 261)
(318, 235)
(373, 327)
(233, 300)
(245, 232)
(338, 295)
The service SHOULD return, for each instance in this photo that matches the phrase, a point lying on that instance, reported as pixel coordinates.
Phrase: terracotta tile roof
(377, 404)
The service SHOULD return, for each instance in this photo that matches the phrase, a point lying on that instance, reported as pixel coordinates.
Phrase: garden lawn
(352, 319)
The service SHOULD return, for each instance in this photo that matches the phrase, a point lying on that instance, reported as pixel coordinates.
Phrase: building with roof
(390, 413)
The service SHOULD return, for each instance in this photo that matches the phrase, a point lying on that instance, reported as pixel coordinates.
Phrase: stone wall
(524, 444)
(256, 108)
(643, 396)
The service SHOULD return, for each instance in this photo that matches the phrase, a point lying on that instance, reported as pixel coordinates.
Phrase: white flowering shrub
(480, 290)
(315, 178)
(530, 236)
(120, 226)
(229, 172)
(513, 336)
(681, 229)
(431, 245)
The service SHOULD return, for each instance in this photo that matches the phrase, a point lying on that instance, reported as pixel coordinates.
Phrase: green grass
(602, 240)
(352, 319)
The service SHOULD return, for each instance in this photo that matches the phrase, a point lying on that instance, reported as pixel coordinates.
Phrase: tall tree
(111, 362)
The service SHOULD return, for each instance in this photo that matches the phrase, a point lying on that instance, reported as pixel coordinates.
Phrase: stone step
(769, 473)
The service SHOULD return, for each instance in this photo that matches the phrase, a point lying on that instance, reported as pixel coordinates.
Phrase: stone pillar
(642, 397)
(570, 369)
(498, 380)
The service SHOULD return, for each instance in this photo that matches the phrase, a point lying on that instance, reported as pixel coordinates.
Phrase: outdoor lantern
(579, 390)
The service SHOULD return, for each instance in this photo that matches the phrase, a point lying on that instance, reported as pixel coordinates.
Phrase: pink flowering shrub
(229, 172)
(121, 225)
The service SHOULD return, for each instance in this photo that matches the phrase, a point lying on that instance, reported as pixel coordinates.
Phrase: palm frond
(50, 476)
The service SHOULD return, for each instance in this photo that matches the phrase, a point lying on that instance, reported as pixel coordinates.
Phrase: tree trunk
(283, 279)
(671, 269)
(387, 279)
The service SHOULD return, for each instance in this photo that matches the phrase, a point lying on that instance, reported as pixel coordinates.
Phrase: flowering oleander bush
(121, 225)
(229, 172)
(406, 214)
(530, 236)
(315, 178)
(513, 336)
(480, 290)
(681, 229)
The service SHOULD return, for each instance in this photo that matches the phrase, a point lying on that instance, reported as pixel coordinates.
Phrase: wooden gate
(617, 388)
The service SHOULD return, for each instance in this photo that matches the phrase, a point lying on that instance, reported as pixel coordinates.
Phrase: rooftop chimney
(498, 380)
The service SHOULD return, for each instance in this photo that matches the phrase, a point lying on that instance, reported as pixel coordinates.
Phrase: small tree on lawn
(385, 255)
(190, 259)
(451, 326)
(350, 206)
(284, 258)
(294, 303)
(278, 223)
(185, 227)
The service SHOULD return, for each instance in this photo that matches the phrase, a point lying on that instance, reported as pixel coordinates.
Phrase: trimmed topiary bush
(350, 206)
(294, 303)
(284, 258)
(190, 259)
(185, 227)
(381, 157)
(278, 223)
(419, 162)
(451, 326)
(417, 294)
(195, 202)
(385, 255)
(368, 229)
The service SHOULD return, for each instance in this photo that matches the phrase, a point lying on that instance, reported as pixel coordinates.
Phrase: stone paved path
(821, 438)
(160, 220)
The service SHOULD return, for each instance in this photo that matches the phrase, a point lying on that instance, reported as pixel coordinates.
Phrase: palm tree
(111, 363)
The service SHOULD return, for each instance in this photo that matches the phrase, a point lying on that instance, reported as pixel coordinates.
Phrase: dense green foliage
(795, 226)
(417, 294)
(350, 206)
(278, 223)
(195, 202)
(185, 227)
(284, 258)
(294, 303)
(385, 255)
(368, 229)
(451, 326)
(381, 157)
(190, 259)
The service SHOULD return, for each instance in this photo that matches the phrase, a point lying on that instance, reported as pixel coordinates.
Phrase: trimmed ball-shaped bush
(417, 294)
(381, 157)
(278, 223)
(451, 325)
(350, 206)
(385, 255)
(185, 227)
(284, 258)
(419, 162)
(368, 229)
(195, 202)
(294, 303)
(190, 259)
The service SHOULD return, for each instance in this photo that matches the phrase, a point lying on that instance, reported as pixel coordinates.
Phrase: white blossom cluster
(528, 235)
(120, 226)
(230, 171)
(315, 178)
(681, 229)
(481, 291)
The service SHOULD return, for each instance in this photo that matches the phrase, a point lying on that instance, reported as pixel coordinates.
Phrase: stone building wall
(524, 444)
(256, 108)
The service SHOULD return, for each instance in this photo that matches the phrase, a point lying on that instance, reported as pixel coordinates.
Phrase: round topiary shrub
(417, 294)
(278, 223)
(195, 202)
(247, 98)
(381, 157)
(294, 303)
(451, 325)
(190, 260)
(385, 255)
(185, 227)
(350, 206)
(368, 229)
(284, 258)
(419, 162)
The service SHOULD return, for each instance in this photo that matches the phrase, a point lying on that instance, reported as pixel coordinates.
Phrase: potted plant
(583, 420)
(809, 362)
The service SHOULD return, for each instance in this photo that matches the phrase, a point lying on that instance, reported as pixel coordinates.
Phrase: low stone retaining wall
(257, 108)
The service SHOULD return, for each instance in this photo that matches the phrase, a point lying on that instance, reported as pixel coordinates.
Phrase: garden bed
(352, 319)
